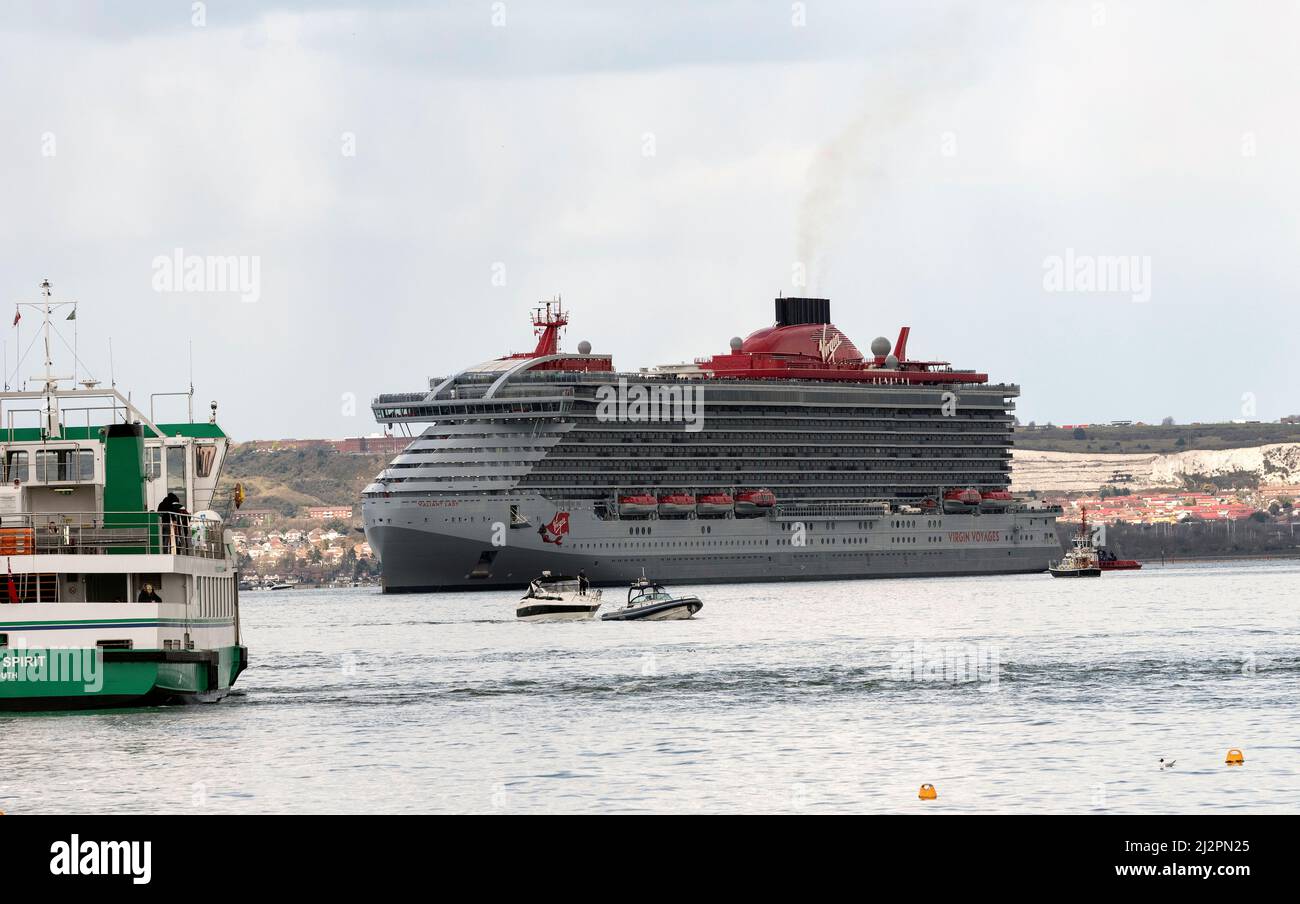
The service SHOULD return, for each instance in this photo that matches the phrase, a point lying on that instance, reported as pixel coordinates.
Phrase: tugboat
(1109, 562)
(556, 598)
(1081, 561)
(649, 601)
(115, 594)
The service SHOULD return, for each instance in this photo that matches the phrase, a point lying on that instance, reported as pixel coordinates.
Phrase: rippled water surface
(1009, 694)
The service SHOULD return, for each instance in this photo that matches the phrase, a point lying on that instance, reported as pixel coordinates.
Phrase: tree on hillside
(1167, 422)
(1080, 433)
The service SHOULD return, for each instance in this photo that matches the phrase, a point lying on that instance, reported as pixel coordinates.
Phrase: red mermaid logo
(556, 530)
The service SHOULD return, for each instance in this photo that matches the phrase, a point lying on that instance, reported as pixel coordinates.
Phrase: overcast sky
(668, 167)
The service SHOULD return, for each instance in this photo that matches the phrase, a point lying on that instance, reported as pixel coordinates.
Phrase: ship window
(176, 473)
(45, 468)
(204, 457)
(113, 644)
(55, 465)
(153, 462)
(15, 466)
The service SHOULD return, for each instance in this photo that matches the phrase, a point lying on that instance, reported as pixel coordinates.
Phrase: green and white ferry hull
(100, 655)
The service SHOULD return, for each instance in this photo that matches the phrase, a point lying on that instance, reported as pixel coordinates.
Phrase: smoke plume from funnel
(848, 170)
(842, 174)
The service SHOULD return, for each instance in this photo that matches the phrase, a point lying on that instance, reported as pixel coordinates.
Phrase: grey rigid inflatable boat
(649, 601)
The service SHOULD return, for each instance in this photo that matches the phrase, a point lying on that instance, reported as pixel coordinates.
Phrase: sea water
(1008, 694)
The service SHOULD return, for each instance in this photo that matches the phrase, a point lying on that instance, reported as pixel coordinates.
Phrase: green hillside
(1155, 438)
(289, 480)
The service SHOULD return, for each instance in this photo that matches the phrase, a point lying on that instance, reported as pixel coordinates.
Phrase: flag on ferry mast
(18, 315)
(13, 590)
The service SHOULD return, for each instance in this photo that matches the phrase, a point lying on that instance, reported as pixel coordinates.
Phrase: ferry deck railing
(110, 533)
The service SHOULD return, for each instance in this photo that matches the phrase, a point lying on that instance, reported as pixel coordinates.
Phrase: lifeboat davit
(754, 502)
(714, 505)
(637, 505)
(959, 501)
(996, 501)
(676, 505)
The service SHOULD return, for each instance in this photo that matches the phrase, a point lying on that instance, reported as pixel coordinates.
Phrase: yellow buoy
(928, 793)
(1235, 758)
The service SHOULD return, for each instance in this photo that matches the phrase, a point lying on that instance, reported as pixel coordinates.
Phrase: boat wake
(1059, 681)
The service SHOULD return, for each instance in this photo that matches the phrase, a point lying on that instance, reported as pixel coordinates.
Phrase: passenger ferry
(108, 600)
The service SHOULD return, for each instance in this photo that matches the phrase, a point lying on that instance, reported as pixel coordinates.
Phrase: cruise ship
(792, 456)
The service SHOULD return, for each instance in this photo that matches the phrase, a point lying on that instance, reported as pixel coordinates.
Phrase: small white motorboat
(649, 601)
(555, 598)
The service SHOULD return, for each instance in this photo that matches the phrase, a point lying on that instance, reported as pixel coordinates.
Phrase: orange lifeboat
(959, 501)
(677, 505)
(714, 505)
(754, 502)
(637, 505)
(996, 501)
